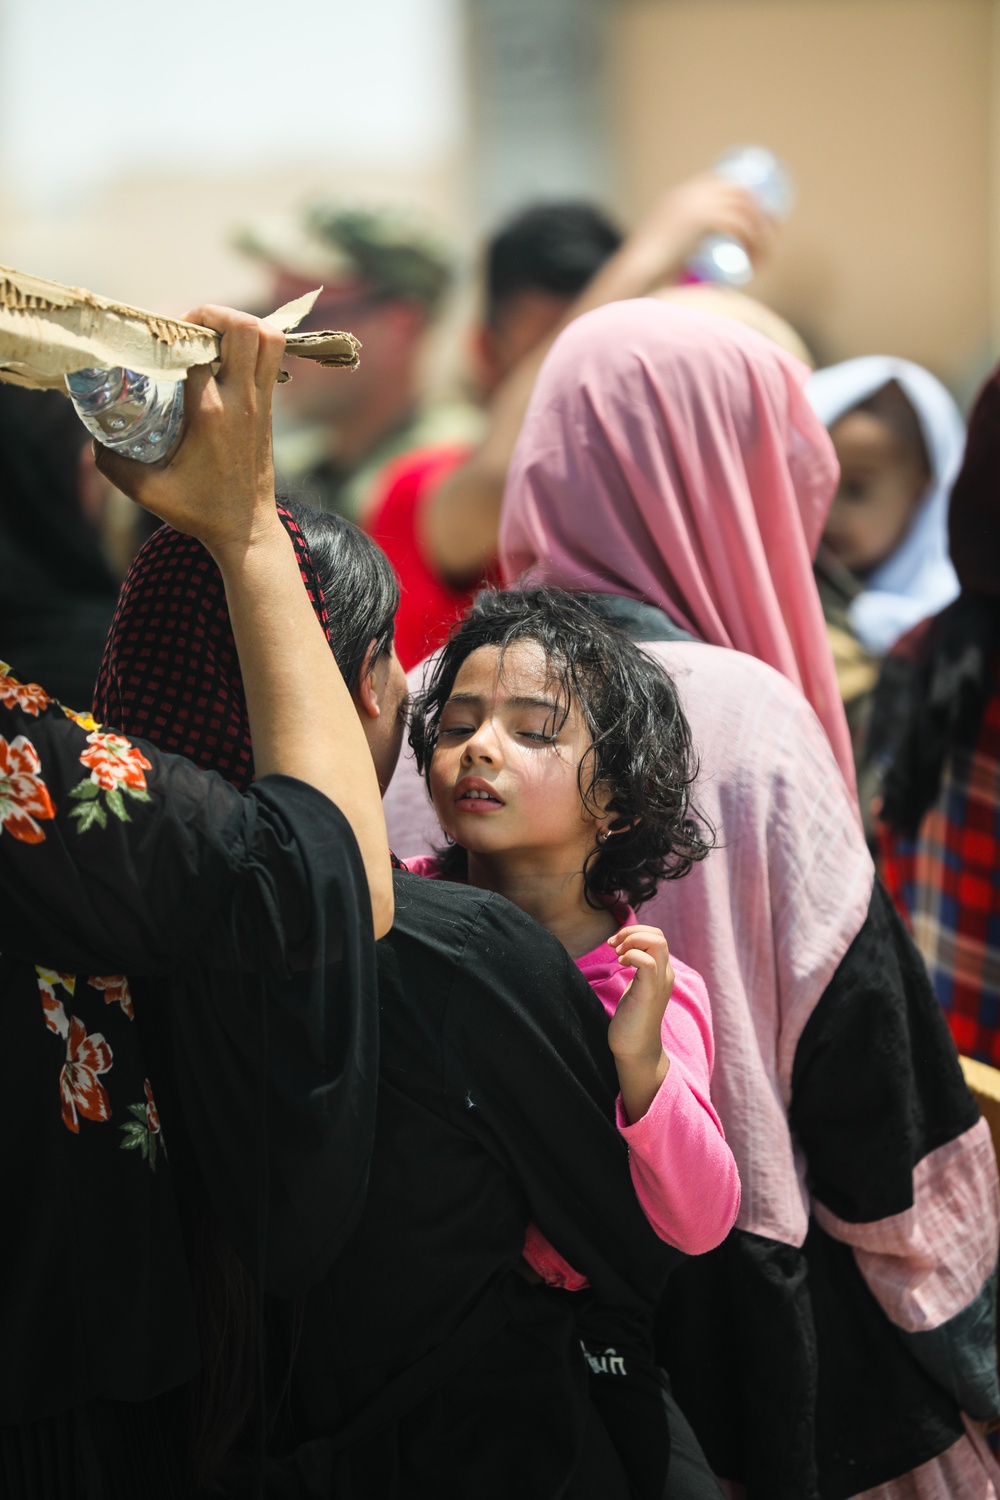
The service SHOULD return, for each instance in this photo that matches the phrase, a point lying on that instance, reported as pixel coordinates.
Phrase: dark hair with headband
(360, 588)
(171, 673)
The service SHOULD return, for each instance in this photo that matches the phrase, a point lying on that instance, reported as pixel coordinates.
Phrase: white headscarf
(917, 579)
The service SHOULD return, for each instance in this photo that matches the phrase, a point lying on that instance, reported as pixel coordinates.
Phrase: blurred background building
(133, 140)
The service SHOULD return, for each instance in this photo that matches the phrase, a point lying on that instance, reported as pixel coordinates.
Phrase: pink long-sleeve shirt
(683, 1172)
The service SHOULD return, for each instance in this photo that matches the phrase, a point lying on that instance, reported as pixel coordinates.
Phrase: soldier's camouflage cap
(391, 251)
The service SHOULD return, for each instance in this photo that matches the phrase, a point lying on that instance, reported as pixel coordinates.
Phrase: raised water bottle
(720, 257)
(131, 413)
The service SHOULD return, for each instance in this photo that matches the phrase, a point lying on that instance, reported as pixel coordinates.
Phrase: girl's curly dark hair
(641, 752)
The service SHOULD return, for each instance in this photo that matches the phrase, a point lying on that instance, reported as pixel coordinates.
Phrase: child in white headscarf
(883, 562)
(899, 439)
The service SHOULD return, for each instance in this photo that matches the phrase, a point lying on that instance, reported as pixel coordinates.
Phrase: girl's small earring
(603, 836)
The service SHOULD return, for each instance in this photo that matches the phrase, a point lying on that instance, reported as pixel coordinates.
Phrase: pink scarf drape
(671, 455)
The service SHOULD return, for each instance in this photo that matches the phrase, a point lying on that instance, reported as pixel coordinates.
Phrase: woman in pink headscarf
(698, 483)
(670, 461)
(671, 469)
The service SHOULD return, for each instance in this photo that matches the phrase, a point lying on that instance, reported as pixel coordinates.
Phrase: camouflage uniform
(387, 254)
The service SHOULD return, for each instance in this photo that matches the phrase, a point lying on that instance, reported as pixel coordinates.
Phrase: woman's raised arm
(219, 487)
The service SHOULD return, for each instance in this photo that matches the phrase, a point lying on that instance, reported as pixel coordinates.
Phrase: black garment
(688, 1476)
(675, 1469)
(639, 620)
(638, 1441)
(637, 1436)
(102, 1450)
(57, 591)
(930, 698)
(830, 1398)
(496, 1108)
(857, 669)
(275, 1048)
(173, 874)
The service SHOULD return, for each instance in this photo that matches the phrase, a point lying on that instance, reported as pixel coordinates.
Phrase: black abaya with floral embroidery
(115, 861)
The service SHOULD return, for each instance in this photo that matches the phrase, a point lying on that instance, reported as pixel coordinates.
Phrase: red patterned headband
(170, 672)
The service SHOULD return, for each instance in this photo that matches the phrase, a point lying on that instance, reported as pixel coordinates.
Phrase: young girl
(559, 764)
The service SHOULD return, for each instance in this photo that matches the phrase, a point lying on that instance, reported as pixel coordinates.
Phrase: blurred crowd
(643, 481)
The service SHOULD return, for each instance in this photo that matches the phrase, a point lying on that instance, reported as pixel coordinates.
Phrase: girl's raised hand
(634, 1033)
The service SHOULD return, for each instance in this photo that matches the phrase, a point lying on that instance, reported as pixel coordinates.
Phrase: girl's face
(503, 777)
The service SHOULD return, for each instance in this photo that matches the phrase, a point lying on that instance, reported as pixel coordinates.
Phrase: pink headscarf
(670, 455)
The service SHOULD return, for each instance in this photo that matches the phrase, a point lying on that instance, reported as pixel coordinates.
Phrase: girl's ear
(366, 695)
(616, 826)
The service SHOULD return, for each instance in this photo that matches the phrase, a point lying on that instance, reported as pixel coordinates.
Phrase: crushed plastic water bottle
(131, 413)
(720, 257)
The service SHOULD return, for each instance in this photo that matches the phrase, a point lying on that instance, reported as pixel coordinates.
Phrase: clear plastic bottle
(131, 413)
(719, 257)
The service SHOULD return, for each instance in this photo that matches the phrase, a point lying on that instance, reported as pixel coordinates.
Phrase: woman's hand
(704, 205)
(634, 1033)
(655, 254)
(219, 485)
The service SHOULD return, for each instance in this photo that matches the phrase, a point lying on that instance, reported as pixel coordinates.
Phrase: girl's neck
(555, 898)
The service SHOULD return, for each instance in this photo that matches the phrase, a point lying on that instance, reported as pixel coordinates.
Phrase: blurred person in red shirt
(58, 579)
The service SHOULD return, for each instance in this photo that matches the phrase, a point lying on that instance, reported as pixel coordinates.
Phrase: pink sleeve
(683, 1172)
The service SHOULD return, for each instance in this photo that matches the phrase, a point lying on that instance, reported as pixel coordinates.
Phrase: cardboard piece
(48, 330)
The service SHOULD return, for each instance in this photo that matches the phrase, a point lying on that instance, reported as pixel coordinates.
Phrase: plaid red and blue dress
(946, 884)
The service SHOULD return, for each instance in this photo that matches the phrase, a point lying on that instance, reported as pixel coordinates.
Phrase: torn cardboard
(48, 330)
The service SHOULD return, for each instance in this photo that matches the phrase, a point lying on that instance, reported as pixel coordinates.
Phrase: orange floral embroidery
(53, 1009)
(114, 761)
(24, 797)
(27, 696)
(116, 767)
(82, 1091)
(115, 988)
(152, 1113)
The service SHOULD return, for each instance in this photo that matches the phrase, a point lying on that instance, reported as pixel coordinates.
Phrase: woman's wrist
(262, 539)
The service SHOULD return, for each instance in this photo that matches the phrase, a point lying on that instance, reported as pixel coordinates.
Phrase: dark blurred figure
(57, 588)
(536, 265)
(437, 513)
(935, 738)
(883, 565)
(385, 274)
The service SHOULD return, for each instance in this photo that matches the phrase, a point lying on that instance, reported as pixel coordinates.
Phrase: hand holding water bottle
(712, 205)
(219, 485)
(726, 255)
(664, 243)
